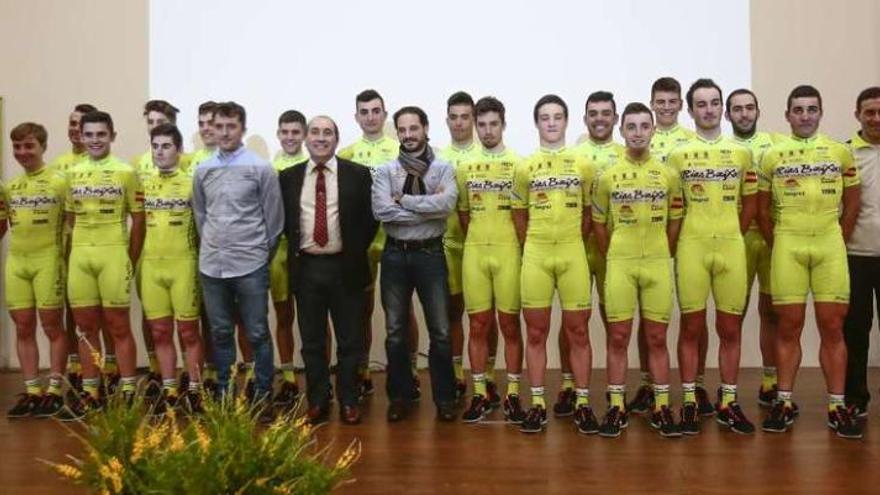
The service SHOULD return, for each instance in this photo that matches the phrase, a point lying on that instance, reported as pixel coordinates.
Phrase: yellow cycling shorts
(559, 266)
(491, 278)
(757, 260)
(374, 253)
(800, 264)
(716, 264)
(170, 287)
(646, 281)
(279, 278)
(454, 267)
(99, 276)
(597, 267)
(34, 281)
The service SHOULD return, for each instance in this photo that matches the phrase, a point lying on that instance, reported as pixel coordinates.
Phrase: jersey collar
(36, 172)
(671, 130)
(858, 142)
(548, 151)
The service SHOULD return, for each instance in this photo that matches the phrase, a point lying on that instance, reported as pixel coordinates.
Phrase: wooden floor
(422, 455)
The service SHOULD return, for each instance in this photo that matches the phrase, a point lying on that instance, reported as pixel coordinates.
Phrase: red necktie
(320, 234)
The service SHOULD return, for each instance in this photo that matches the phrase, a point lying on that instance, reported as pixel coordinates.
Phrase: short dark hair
(423, 117)
(547, 99)
(209, 106)
(84, 108)
(702, 83)
(368, 95)
(333, 122)
(97, 117)
(163, 107)
(737, 92)
(598, 96)
(292, 116)
(231, 109)
(803, 91)
(634, 108)
(488, 104)
(665, 84)
(169, 130)
(459, 98)
(867, 94)
(27, 129)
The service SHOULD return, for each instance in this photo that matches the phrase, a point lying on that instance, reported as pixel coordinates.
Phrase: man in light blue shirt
(239, 216)
(412, 197)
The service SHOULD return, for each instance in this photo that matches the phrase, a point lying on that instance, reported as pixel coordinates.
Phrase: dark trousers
(322, 290)
(864, 282)
(422, 270)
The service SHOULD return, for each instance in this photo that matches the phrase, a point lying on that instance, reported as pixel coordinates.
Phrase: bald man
(329, 226)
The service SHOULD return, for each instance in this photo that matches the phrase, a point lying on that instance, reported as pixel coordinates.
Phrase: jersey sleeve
(463, 196)
(749, 176)
(519, 199)
(675, 198)
(765, 171)
(588, 174)
(600, 199)
(134, 192)
(346, 153)
(848, 168)
(3, 207)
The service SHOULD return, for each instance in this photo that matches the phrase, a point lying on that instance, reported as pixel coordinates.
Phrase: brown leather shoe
(318, 415)
(350, 415)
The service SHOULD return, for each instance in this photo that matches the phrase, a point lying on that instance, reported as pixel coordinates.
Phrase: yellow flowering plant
(221, 451)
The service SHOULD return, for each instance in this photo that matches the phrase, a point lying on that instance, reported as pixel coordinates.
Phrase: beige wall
(834, 46)
(58, 53)
(51, 61)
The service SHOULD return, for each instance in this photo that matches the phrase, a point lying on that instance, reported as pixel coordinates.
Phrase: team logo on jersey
(710, 174)
(638, 195)
(488, 185)
(554, 183)
(167, 204)
(791, 183)
(698, 190)
(626, 211)
(808, 170)
(99, 192)
(33, 202)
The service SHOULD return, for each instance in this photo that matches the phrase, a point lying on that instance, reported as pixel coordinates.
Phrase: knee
(26, 332)
(161, 332)
(656, 340)
(537, 336)
(189, 334)
(618, 341)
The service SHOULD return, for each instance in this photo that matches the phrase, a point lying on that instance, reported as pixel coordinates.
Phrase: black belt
(413, 244)
(313, 255)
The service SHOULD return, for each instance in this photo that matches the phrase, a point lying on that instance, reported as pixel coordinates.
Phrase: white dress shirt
(865, 239)
(307, 209)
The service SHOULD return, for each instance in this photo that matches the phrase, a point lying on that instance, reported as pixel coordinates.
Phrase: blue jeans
(247, 296)
(422, 270)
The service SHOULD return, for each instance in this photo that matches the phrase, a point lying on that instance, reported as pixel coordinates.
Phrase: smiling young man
(291, 134)
(743, 113)
(637, 209)
(718, 185)
(103, 193)
(808, 204)
(34, 273)
(600, 117)
(156, 113)
(206, 133)
(551, 210)
(491, 261)
(168, 274)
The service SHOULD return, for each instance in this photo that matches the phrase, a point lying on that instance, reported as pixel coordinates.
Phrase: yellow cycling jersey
(371, 153)
(200, 155)
(3, 213)
(145, 166)
(101, 194)
(637, 199)
(665, 141)
(171, 230)
(601, 156)
(283, 160)
(35, 205)
(64, 162)
(485, 184)
(714, 177)
(456, 156)
(806, 178)
(554, 185)
(758, 143)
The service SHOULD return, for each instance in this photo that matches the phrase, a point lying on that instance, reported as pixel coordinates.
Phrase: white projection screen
(271, 56)
(316, 56)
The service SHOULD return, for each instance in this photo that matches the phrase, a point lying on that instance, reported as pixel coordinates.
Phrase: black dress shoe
(397, 411)
(350, 415)
(447, 412)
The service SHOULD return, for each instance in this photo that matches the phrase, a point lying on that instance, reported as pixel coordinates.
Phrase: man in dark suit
(329, 225)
